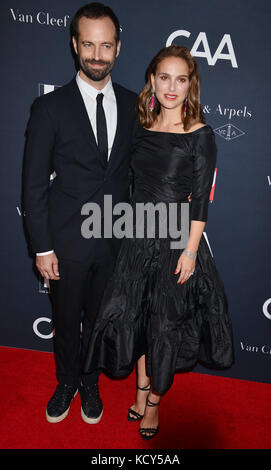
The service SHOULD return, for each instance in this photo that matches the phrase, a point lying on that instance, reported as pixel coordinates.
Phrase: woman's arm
(196, 231)
(203, 172)
(186, 264)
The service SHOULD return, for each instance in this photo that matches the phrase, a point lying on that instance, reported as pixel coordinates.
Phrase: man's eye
(163, 77)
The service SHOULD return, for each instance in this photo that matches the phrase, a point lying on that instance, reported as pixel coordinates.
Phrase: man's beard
(96, 74)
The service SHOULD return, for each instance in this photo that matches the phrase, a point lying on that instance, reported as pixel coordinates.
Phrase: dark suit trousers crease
(76, 298)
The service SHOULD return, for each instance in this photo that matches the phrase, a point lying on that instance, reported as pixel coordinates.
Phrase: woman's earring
(152, 101)
(185, 105)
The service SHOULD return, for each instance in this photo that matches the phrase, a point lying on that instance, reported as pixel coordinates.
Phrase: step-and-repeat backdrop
(231, 43)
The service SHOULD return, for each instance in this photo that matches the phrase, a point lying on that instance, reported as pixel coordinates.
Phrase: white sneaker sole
(52, 419)
(91, 420)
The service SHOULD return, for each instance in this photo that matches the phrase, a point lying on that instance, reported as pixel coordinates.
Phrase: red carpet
(199, 412)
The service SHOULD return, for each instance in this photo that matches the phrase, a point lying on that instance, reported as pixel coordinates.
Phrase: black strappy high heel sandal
(138, 416)
(152, 431)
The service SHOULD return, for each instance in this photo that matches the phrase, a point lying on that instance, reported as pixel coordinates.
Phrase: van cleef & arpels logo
(264, 349)
(41, 17)
(228, 131)
(228, 112)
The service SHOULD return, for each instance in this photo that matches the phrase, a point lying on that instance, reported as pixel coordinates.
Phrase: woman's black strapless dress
(144, 310)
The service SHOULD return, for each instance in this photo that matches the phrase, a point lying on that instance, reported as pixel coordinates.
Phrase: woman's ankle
(154, 398)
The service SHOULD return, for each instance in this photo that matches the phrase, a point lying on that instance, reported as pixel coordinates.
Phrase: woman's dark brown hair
(194, 112)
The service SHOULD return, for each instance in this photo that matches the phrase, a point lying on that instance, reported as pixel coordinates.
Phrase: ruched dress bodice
(167, 167)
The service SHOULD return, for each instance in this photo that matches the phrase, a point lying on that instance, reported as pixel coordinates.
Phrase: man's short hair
(94, 10)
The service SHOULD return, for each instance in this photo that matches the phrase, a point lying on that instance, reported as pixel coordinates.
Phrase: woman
(165, 308)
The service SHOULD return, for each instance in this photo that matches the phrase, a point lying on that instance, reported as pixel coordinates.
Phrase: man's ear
(74, 45)
(118, 48)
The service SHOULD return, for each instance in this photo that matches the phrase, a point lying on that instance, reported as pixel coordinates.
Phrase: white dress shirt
(89, 94)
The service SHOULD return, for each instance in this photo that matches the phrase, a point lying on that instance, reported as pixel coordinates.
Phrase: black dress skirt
(144, 310)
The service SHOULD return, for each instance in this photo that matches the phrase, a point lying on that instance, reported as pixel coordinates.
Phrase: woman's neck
(169, 119)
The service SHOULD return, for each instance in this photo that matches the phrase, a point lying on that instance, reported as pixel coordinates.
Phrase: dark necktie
(101, 130)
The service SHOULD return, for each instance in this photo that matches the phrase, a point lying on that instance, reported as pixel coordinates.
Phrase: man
(83, 132)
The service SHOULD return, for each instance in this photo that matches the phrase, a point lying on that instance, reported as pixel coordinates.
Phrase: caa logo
(202, 41)
(265, 309)
(36, 325)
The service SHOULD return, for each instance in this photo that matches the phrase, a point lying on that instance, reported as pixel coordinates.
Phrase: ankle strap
(146, 388)
(150, 403)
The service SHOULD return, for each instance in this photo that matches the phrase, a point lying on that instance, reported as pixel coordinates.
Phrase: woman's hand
(186, 267)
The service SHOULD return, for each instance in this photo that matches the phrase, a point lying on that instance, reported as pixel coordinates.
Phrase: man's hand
(48, 266)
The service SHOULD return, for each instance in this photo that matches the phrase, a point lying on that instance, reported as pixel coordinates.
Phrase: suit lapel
(81, 116)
